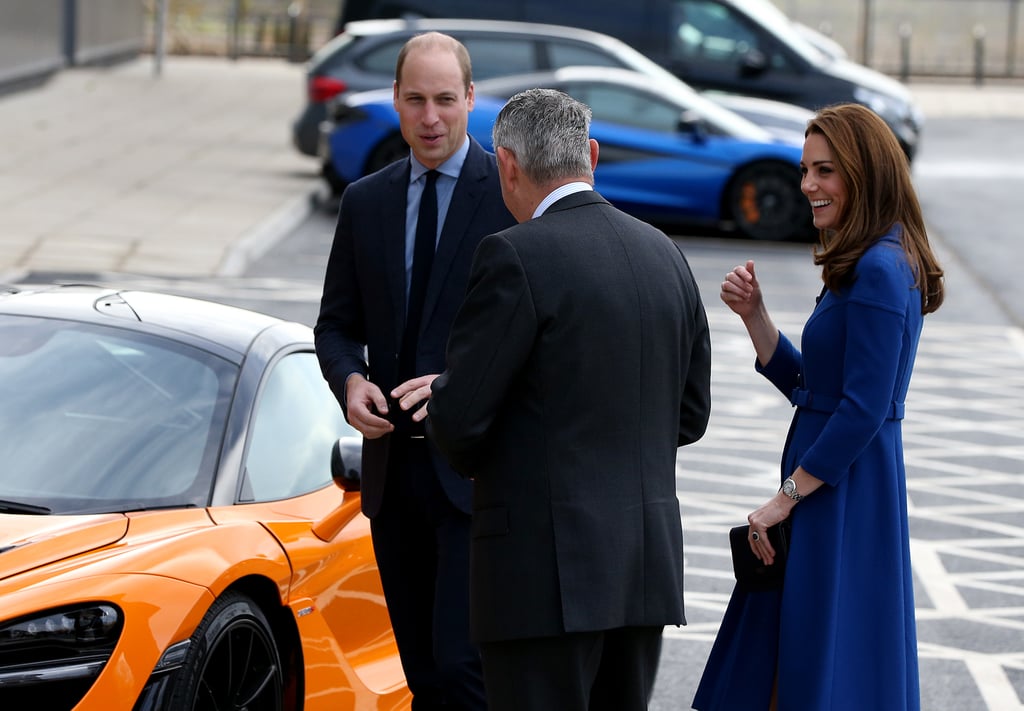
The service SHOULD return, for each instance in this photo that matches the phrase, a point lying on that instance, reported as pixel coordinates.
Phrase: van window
(709, 32)
(495, 57)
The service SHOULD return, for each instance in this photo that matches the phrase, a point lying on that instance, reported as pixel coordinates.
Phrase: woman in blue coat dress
(840, 635)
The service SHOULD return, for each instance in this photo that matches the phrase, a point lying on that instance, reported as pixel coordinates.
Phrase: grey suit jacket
(362, 312)
(577, 366)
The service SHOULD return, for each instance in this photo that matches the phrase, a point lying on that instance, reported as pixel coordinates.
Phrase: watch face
(789, 487)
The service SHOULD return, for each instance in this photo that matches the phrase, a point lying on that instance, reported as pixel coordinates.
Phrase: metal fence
(974, 38)
(950, 38)
(292, 29)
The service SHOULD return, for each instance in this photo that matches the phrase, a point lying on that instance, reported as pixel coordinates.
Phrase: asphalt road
(970, 179)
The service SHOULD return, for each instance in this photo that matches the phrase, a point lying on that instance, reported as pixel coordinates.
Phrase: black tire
(232, 663)
(334, 181)
(765, 203)
(387, 152)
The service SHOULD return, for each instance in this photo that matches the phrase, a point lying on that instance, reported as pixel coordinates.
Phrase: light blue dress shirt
(449, 175)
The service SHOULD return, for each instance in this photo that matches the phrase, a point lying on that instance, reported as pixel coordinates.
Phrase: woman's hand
(767, 515)
(741, 291)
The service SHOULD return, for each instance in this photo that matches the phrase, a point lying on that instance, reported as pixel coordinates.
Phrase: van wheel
(765, 203)
(232, 662)
(387, 152)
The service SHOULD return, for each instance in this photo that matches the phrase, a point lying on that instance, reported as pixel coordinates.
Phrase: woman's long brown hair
(880, 194)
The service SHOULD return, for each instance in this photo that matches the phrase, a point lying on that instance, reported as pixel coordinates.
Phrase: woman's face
(821, 183)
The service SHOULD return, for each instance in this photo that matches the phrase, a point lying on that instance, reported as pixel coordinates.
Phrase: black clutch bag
(751, 574)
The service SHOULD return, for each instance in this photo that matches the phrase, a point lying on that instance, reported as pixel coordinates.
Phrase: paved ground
(964, 444)
(186, 181)
(113, 169)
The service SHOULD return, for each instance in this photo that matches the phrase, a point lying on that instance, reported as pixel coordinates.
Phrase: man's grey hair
(549, 134)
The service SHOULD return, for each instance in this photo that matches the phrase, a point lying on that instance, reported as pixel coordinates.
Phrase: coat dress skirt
(841, 633)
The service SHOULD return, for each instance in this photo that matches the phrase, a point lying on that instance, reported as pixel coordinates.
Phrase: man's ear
(594, 150)
(508, 167)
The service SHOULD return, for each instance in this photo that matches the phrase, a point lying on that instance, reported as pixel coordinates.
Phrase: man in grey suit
(578, 364)
(395, 278)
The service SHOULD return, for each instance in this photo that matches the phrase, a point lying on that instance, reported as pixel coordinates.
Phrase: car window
(107, 419)
(712, 33)
(296, 423)
(627, 106)
(381, 58)
(499, 56)
(564, 54)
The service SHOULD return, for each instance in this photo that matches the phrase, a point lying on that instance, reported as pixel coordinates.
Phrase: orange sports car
(170, 536)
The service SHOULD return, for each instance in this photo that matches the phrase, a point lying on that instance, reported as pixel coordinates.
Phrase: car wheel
(232, 662)
(765, 203)
(334, 181)
(387, 152)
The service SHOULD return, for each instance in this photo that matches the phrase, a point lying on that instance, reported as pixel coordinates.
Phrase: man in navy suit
(578, 364)
(395, 278)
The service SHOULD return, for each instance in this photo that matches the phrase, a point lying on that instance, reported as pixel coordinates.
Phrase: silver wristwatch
(789, 489)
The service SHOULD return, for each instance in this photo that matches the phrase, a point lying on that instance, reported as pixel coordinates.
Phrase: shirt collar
(559, 193)
(451, 167)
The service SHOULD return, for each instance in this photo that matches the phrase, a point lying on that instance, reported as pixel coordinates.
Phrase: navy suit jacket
(362, 312)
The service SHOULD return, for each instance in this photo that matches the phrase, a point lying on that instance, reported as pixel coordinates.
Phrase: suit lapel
(469, 190)
(392, 233)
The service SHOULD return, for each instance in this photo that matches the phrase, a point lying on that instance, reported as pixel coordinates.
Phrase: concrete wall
(31, 39)
(108, 30)
(39, 37)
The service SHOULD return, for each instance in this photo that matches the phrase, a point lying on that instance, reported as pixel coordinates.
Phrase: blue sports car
(668, 154)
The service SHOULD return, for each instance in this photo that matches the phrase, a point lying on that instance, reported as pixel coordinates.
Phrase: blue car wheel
(387, 152)
(765, 203)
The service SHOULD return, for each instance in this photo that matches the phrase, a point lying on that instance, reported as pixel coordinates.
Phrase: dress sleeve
(784, 367)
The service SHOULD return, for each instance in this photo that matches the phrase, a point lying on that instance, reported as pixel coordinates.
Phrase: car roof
(615, 75)
(668, 88)
(445, 24)
(182, 318)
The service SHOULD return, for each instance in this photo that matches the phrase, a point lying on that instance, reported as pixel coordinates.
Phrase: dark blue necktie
(422, 261)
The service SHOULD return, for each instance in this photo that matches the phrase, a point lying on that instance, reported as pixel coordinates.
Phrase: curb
(264, 236)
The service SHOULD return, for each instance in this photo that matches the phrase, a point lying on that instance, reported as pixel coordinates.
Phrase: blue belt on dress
(827, 404)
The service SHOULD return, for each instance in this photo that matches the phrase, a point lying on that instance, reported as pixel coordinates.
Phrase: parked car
(363, 57)
(667, 154)
(740, 46)
(170, 536)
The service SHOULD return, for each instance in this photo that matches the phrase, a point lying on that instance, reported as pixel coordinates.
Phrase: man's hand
(364, 400)
(413, 392)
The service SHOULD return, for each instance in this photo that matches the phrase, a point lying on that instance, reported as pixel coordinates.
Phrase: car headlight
(881, 104)
(51, 658)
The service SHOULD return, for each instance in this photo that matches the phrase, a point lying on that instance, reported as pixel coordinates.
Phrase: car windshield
(768, 15)
(106, 419)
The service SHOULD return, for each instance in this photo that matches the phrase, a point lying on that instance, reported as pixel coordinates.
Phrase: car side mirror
(691, 123)
(347, 462)
(753, 62)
